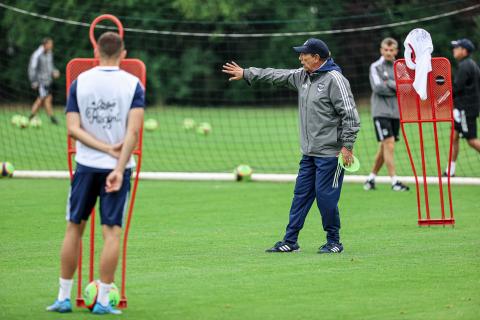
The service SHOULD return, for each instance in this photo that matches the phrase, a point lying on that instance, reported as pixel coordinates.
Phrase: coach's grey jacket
(384, 96)
(328, 117)
(41, 68)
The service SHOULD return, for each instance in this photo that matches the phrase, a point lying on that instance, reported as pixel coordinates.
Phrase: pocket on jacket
(326, 138)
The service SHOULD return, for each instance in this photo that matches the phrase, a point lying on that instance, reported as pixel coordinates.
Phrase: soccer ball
(243, 173)
(90, 295)
(35, 123)
(7, 170)
(188, 124)
(204, 128)
(22, 122)
(151, 124)
(15, 120)
(114, 296)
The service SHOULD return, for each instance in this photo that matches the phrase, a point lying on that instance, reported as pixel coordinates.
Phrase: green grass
(196, 252)
(264, 138)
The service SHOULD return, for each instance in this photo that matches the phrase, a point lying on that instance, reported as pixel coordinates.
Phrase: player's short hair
(46, 40)
(110, 45)
(389, 42)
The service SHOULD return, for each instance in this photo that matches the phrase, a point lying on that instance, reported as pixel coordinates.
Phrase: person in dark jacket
(466, 99)
(328, 124)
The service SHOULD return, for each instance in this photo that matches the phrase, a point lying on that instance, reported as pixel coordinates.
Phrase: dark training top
(466, 87)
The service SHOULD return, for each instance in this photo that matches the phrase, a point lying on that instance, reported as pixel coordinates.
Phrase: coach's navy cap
(464, 43)
(314, 46)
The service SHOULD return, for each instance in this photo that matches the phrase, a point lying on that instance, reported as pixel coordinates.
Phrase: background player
(386, 117)
(41, 72)
(466, 99)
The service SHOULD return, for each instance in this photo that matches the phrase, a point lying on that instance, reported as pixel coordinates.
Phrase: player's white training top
(103, 96)
(418, 56)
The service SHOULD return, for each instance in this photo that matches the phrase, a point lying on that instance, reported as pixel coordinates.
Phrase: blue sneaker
(61, 306)
(100, 309)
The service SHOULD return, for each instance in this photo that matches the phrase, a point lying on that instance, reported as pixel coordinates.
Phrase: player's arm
(135, 121)
(383, 87)
(32, 69)
(277, 77)
(342, 100)
(55, 71)
(134, 125)
(75, 130)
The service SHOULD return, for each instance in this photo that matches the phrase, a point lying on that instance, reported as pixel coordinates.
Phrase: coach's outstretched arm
(277, 77)
(135, 121)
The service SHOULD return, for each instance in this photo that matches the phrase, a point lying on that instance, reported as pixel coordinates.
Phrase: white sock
(103, 291)
(65, 289)
(394, 179)
(452, 168)
(371, 176)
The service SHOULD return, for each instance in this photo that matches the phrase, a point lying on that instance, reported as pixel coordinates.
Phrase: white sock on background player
(65, 289)
(371, 176)
(103, 291)
(394, 180)
(452, 168)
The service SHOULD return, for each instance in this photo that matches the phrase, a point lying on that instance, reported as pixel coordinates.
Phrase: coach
(328, 124)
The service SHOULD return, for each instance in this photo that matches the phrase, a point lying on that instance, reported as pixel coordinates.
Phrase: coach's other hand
(347, 156)
(114, 181)
(234, 70)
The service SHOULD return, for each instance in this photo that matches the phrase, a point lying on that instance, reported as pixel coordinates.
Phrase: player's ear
(123, 55)
(96, 53)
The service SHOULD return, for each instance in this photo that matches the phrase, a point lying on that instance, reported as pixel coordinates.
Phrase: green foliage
(179, 67)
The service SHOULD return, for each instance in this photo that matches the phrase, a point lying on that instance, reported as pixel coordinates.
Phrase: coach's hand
(115, 150)
(234, 70)
(114, 181)
(347, 156)
(34, 85)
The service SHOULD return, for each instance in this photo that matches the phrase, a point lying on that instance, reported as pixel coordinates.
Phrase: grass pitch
(196, 252)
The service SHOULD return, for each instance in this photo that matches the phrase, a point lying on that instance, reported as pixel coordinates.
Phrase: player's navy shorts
(466, 126)
(87, 185)
(386, 128)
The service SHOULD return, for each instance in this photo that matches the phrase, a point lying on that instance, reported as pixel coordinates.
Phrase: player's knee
(113, 233)
(473, 142)
(388, 143)
(75, 229)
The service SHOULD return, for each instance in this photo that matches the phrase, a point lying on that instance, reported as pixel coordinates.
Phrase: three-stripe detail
(335, 249)
(344, 92)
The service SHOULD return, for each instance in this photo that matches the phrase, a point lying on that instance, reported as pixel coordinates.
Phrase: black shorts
(386, 128)
(467, 127)
(44, 90)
